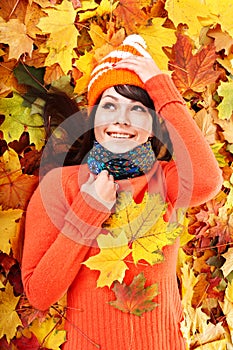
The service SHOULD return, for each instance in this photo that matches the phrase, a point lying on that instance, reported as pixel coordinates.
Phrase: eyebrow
(113, 97)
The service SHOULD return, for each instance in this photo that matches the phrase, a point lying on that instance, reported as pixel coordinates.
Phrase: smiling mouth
(119, 135)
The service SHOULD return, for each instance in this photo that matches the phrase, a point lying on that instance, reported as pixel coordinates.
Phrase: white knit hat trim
(97, 76)
(135, 38)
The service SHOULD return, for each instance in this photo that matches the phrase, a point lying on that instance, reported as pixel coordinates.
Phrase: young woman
(67, 215)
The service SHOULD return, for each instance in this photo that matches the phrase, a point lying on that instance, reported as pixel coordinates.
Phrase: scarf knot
(133, 163)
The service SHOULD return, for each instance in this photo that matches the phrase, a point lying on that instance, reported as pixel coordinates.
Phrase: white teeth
(120, 136)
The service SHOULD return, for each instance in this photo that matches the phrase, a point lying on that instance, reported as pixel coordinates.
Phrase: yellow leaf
(225, 108)
(143, 225)
(215, 345)
(229, 291)
(106, 6)
(220, 12)
(9, 227)
(157, 37)
(10, 167)
(13, 33)
(85, 65)
(9, 320)
(109, 261)
(188, 282)
(47, 333)
(149, 246)
(63, 35)
(97, 35)
(187, 12)
(87, 10)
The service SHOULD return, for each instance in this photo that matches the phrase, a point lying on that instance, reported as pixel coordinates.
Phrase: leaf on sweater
(9, 320)
(192, 72)
(135, 298)
(144, 226)
(109, 261)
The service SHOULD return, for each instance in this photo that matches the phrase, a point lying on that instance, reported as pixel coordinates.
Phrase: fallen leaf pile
(47, 51)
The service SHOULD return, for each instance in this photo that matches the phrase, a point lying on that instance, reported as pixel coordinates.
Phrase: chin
(120, 146)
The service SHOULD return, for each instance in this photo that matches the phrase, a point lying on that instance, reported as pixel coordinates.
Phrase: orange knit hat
(105, 76)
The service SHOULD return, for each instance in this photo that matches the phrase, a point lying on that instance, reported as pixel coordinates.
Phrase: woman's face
(121, 124)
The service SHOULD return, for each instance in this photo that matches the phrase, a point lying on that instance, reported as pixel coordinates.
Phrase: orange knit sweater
(62, 222)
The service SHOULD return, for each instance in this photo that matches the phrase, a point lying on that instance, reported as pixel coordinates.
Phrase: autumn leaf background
(51, 46)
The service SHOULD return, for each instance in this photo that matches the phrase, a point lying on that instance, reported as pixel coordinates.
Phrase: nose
(122, 116)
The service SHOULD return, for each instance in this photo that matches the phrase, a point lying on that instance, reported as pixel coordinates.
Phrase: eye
(139, 108)
(108, 105)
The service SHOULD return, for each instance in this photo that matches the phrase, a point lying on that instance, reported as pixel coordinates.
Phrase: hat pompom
(135, 39)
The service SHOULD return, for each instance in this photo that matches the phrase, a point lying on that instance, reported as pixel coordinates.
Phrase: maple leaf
(15, 188)
(13, 33)
(48, 334)
(220, 13)
(157, 36)
(222, 40)
(85, 65)
(227, 266)
(192, 72)
(205, 122)
(129, 15)
(135, 298)
(9, 222)
(187, 11)
(9, 320)
(18, 119)
(225, 108)
(109, 261)
(143, 225)
(62, 38)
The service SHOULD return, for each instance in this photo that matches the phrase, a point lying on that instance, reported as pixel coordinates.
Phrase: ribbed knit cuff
(163, 91)
(84, 219)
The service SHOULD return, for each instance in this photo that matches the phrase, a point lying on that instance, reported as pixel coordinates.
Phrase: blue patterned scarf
(135, 162)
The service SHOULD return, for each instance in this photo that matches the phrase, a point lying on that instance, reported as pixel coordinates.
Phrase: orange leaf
(192, 72)
(129, 15)
(135, 298)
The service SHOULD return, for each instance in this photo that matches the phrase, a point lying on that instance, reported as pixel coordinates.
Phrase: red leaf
(192, 72)
(135, 298)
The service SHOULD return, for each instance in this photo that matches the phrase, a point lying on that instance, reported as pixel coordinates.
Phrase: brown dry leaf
(37, 59)
(200, 290)
(192, 72)
(227, 126)
(205, 122)
(223, 41)
(13, 9)
(53, 73)
(32, 17)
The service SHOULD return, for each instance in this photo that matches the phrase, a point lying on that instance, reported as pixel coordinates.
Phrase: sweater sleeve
(194, 177)
(58, 236)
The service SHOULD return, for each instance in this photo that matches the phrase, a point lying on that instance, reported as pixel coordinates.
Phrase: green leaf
(18, 119)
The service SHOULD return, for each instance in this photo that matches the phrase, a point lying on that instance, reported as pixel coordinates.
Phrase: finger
(111, 178)
(103, 173)
(91, 179)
